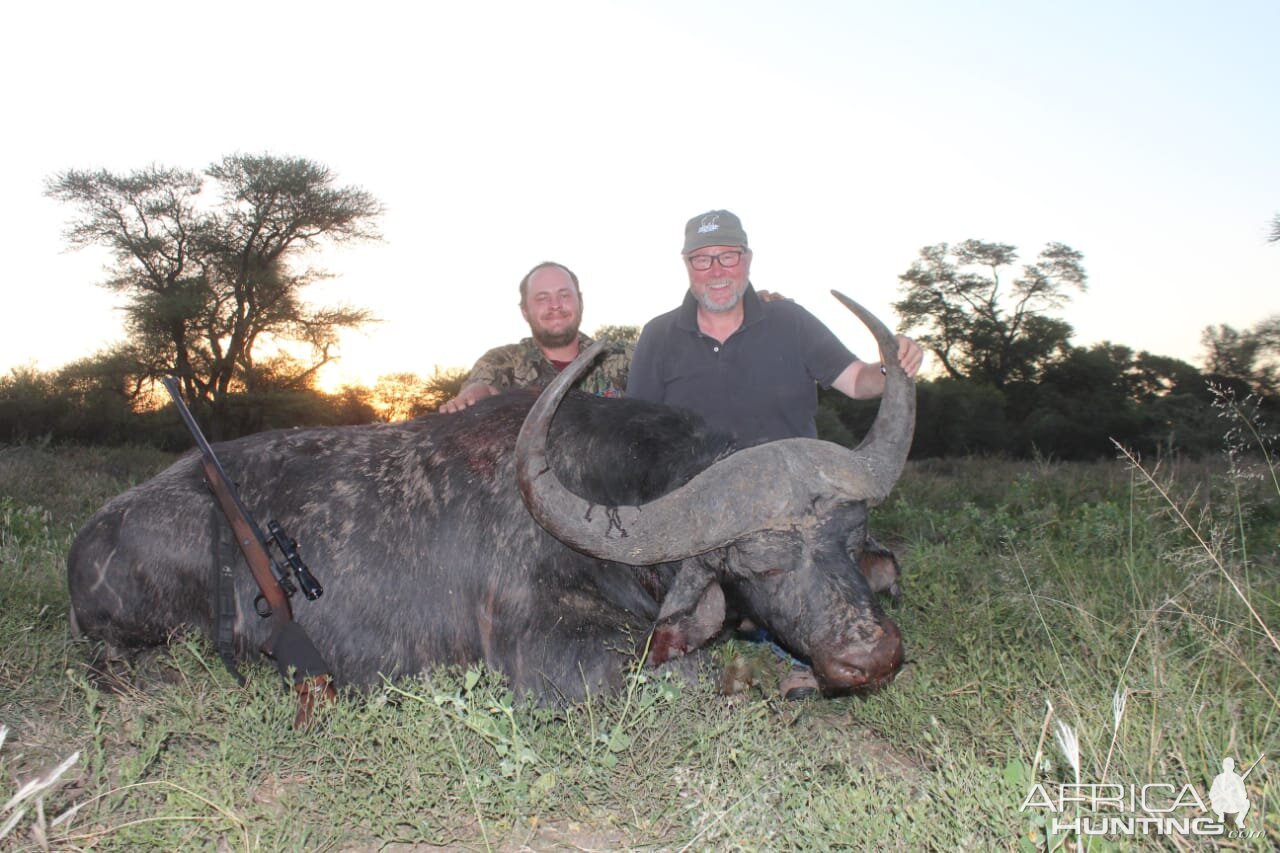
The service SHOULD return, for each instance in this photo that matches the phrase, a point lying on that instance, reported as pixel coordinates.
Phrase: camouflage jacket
(523, 365)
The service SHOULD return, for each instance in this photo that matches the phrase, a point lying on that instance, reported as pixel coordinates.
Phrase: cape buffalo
(637, 524)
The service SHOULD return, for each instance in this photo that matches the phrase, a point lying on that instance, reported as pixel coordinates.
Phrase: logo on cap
(709, 223)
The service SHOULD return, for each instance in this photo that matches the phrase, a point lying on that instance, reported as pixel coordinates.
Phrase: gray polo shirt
(758, 385)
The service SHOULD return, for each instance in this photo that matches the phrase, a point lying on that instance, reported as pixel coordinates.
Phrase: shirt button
(715, 349)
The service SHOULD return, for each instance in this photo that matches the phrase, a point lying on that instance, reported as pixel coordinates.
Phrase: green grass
(1027, 585)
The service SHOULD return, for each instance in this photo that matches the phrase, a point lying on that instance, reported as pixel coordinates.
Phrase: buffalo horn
(762, 487)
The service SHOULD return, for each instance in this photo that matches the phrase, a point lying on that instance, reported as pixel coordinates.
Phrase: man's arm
(488, 376)
(863, 380)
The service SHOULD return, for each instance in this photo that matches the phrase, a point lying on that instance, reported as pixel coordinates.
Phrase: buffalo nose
(866, 664)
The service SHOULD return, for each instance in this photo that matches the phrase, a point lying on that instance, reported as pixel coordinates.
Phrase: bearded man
(551, 303)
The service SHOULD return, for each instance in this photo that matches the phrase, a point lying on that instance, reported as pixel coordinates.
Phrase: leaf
(1017, 773)
(619, 740)
(543, 785)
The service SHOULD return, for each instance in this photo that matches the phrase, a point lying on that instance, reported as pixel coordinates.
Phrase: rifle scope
(311, 587)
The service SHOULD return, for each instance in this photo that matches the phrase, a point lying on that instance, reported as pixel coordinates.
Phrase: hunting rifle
(288, 644)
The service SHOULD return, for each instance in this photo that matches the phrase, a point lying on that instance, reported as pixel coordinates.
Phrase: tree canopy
(210, 265)
(624, 334)
(1249, 355)
(404, 395)
(979, 327)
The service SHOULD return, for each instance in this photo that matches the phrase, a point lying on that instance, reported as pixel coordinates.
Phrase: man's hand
(863, 381)
(770, 296)
(468, 397)
(910, 356)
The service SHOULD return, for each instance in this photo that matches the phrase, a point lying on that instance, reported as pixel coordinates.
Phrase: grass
(1134, 607)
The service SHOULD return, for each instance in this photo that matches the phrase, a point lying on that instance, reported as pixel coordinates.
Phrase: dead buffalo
(640, 525)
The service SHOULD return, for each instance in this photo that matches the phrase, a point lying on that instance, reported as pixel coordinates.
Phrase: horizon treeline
(1078, 408)
(1074, 408)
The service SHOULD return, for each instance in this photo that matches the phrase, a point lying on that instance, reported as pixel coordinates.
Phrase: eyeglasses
(702, 263)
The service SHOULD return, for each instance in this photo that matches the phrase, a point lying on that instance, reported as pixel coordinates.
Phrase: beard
(554, 340)
(704, 299)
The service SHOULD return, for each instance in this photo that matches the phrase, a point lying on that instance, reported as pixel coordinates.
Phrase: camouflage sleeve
(495, 368)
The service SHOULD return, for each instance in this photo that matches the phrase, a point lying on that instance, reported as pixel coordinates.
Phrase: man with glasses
(551, 303)
(748, 366)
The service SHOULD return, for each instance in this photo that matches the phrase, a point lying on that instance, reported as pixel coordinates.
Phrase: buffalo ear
(692, 613)
(881, 568)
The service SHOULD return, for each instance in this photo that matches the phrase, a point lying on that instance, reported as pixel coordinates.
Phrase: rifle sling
(222, 583)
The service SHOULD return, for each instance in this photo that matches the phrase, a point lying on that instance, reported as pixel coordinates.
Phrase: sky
(846, 135)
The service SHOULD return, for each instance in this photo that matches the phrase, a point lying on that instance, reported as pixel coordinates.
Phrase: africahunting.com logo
(1157, 808)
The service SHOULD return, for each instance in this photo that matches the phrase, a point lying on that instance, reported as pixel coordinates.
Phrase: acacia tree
(209, 282)
(980, 328)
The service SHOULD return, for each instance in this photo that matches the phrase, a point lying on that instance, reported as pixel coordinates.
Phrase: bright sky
(847, 135)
